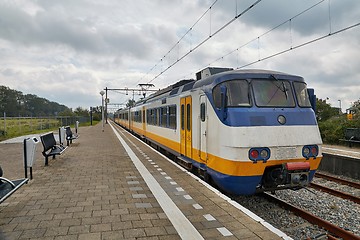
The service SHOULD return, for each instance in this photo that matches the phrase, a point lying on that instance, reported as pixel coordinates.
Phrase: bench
(352, 135)
(50, 147)
(8, 187)
(70, 136)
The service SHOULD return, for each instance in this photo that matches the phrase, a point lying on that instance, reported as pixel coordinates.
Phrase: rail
(339, 232)
(338, 180)
(336, 192)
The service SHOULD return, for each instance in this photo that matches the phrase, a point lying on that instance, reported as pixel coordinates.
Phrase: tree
(79, 111)
(324, 111)
(15, 103)
(130, 103)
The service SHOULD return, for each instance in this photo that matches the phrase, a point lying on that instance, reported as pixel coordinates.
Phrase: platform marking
(131, 177)
(209, 217)
(197, 206)
(188, 197)
(182, 225)
(224, 231)
(133, 182)
(139, 195)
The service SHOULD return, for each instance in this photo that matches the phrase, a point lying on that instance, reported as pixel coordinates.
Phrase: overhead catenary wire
(202, 42)
(181, 39)
(290, 20)
(206, 39)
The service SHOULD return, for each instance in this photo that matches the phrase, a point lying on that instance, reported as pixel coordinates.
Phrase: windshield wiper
(284, 89)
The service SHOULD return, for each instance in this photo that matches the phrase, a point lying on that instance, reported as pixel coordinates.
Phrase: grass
(23, 126)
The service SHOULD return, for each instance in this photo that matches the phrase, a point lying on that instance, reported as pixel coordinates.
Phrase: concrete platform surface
(109, 185)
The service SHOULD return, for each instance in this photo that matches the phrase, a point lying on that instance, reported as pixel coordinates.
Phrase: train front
(266, 132)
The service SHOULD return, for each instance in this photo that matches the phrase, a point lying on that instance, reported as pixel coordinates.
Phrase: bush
(333, 129)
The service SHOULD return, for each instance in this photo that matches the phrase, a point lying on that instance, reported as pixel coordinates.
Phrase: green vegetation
(28, 114)
(332, 124)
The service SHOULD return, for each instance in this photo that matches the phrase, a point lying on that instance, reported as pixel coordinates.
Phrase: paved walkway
(96, 190)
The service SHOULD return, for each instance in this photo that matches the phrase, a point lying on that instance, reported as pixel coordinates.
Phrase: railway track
(336, 192)
(338, 180)
(331, 228)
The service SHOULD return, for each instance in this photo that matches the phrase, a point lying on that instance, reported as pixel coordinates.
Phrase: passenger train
(246, 131)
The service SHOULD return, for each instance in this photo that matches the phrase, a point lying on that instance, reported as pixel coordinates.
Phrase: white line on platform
(182, 225)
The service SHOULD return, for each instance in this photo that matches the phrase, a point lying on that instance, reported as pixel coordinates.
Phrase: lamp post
(340, 107)
(102, 108)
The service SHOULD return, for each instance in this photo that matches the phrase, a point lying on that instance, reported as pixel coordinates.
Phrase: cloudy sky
(68, 51)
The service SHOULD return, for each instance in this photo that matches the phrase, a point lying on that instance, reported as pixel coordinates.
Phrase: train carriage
(246, 130)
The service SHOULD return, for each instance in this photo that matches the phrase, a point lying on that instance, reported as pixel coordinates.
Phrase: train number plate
(285, 153)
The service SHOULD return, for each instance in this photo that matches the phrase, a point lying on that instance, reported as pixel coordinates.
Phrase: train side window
(163, 116)
(156, 116)
(202, 112)
(188, 117)
(182, 116)
(216, 96)
(172, 117)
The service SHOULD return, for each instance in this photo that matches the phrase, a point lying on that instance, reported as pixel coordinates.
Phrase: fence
(17, 126)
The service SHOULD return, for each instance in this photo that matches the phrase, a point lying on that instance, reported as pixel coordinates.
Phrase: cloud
(80, 47)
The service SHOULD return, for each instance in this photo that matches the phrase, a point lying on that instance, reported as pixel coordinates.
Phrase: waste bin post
(25, 157)
(29, 154)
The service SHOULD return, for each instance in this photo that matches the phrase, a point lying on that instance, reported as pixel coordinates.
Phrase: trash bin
(76, 127)
(29, 153)
(62, 137)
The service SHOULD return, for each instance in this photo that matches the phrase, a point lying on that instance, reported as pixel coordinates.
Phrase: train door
(203, 129)
(144, 121)
(186, 127)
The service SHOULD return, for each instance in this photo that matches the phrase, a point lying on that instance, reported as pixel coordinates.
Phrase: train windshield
(272, 93)
(237, 92)
(302, 95)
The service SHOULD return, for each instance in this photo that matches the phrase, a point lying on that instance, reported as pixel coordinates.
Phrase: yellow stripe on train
(225, 166)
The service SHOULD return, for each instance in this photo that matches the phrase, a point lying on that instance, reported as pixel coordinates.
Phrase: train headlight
(309, 151)
(259, 154)
(281, 119)
(264, 154)
(306, 152)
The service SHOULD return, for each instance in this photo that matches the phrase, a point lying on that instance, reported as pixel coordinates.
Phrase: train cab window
(202, 112)
(302, 95)
(273, 93)
(238, 94)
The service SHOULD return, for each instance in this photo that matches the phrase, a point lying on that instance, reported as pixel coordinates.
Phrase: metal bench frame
(50, 147)
(70, 136)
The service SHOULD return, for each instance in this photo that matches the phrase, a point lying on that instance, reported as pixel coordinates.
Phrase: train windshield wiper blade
(283, 89)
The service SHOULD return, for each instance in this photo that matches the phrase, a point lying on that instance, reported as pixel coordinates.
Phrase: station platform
(110, 185)
(345, 151)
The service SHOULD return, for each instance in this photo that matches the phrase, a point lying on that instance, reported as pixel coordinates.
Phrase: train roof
(219, 76)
